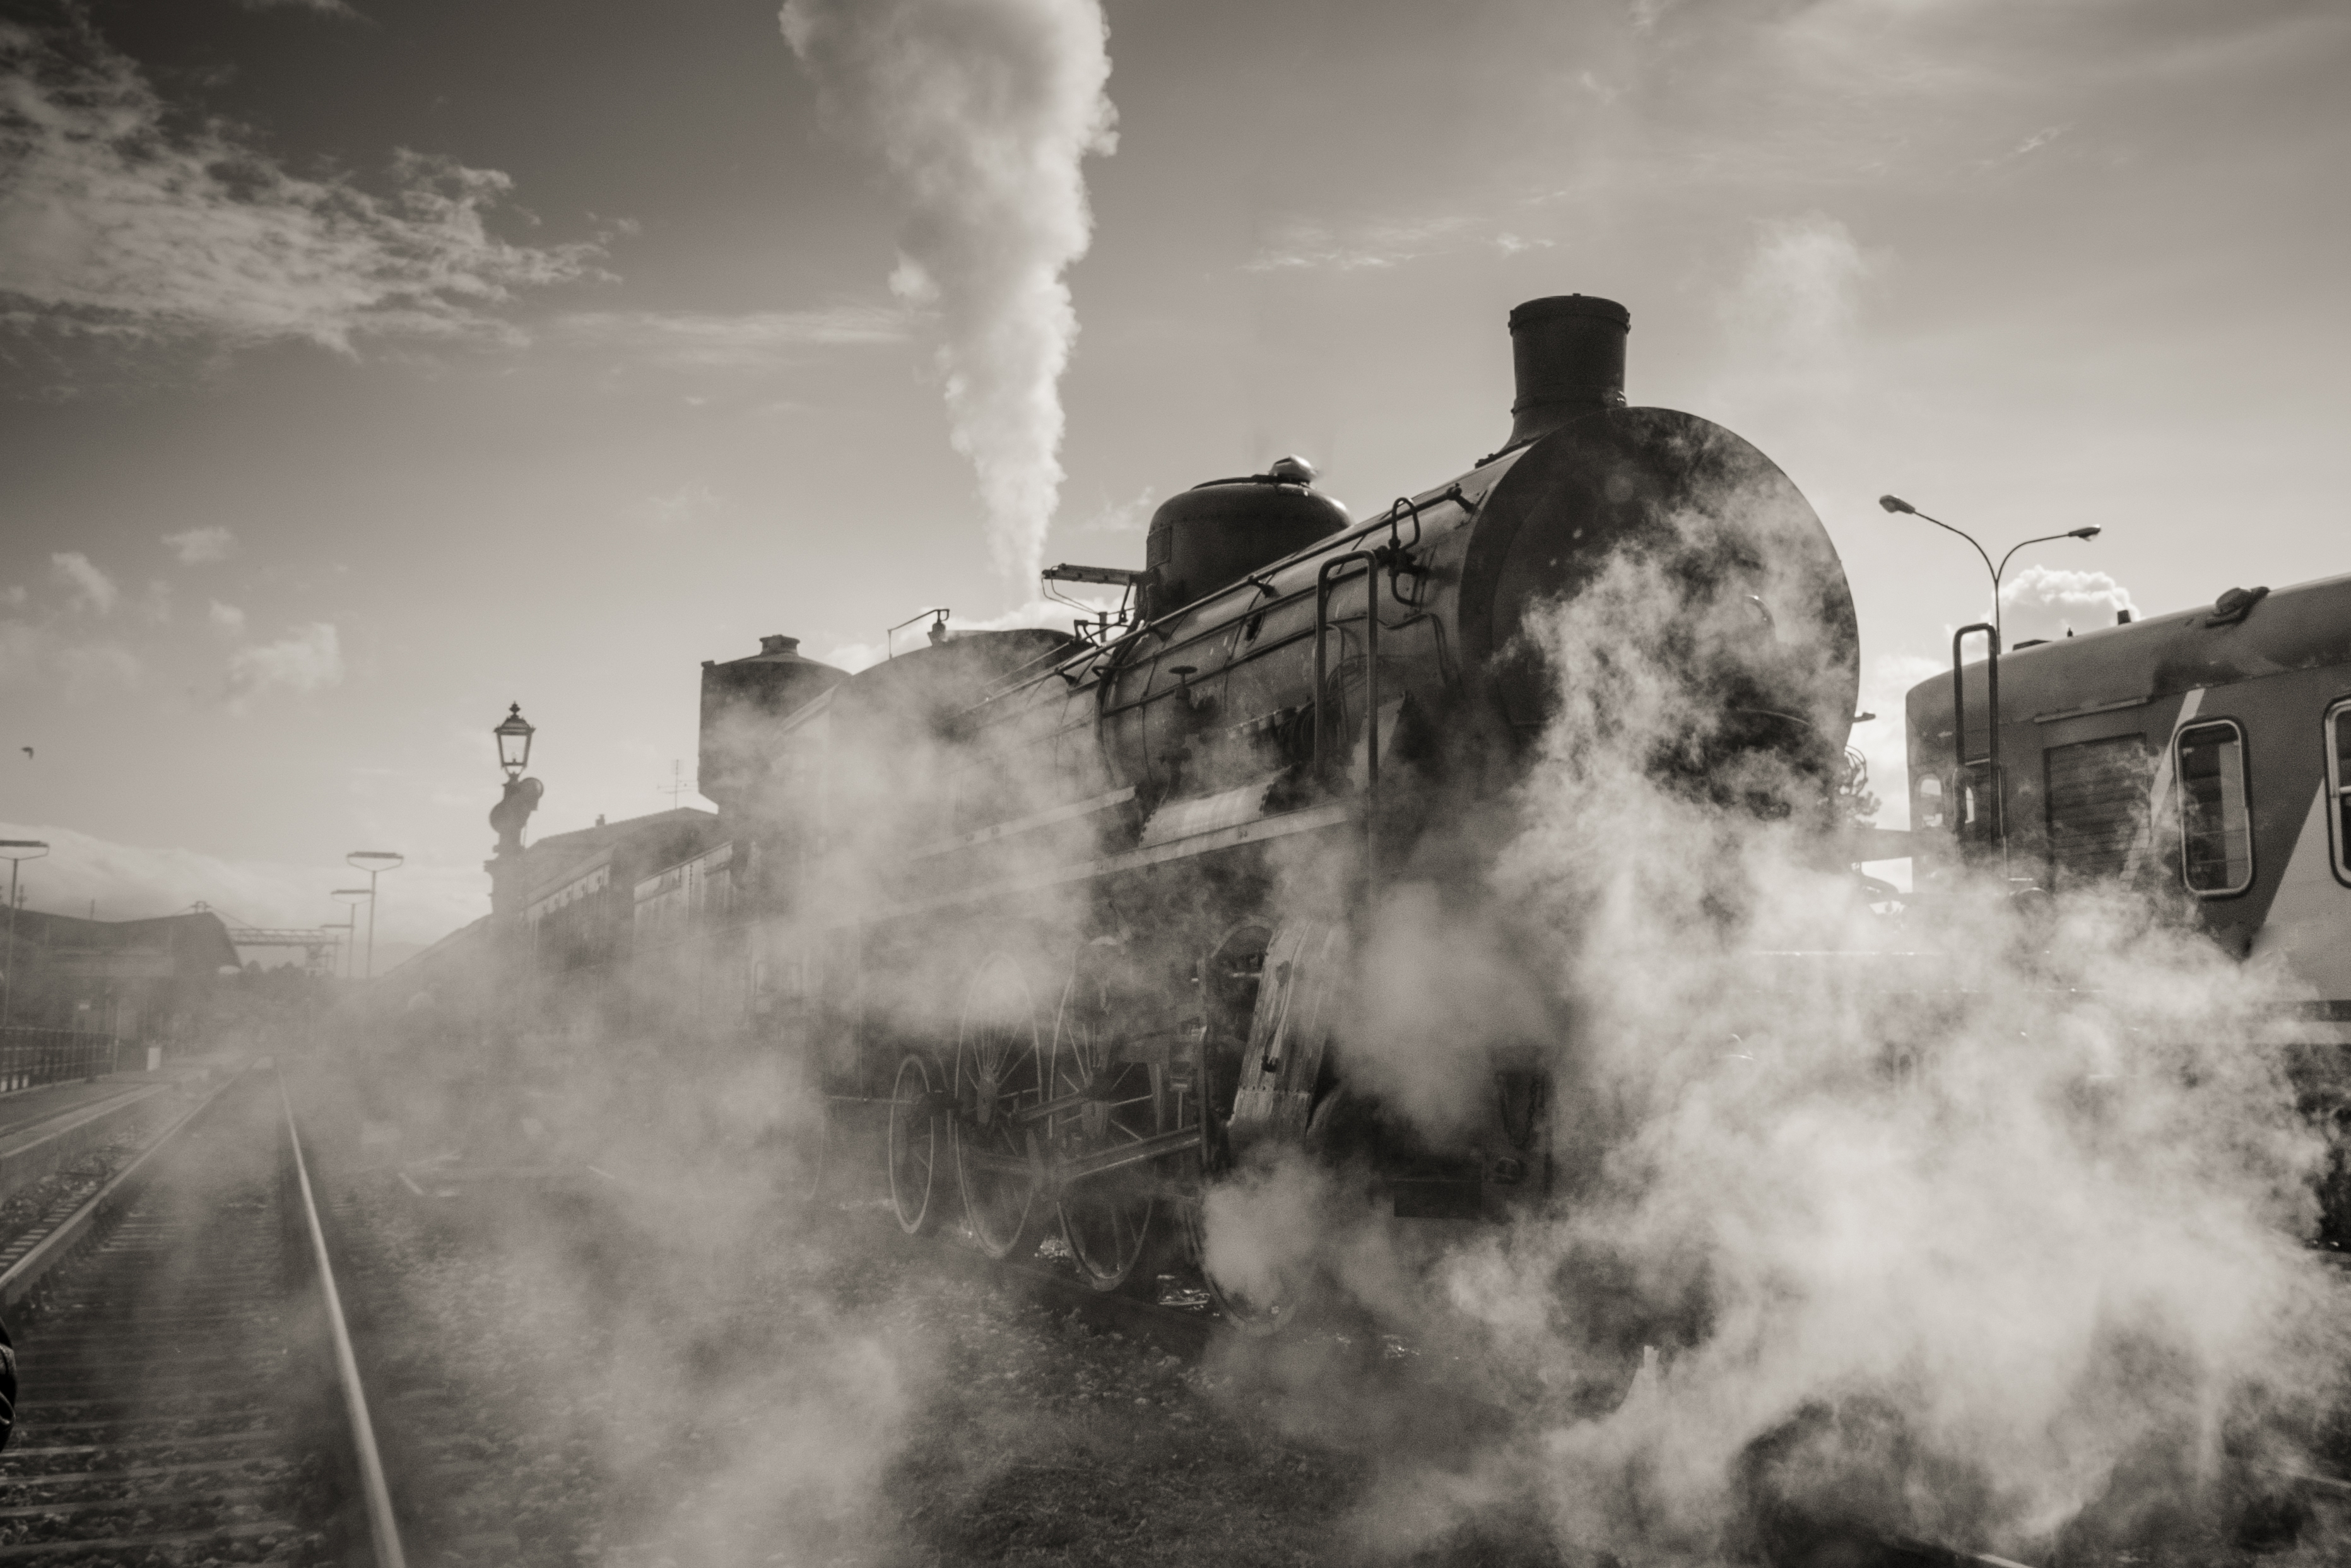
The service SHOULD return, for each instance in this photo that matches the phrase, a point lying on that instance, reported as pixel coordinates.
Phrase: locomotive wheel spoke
(1106, 1222)
(1000, 1072)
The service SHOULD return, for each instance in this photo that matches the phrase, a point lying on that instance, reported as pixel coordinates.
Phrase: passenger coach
(2208, 752)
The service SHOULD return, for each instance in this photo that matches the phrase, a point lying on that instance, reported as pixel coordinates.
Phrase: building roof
(192, 944)
(554, 858)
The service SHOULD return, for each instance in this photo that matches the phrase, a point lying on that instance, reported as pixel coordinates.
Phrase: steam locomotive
(1075, 915)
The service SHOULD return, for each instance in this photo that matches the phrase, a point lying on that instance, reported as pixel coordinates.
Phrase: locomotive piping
(1261, 580)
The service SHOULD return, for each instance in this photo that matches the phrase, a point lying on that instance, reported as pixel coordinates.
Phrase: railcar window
(2216, 829)
(2096, 792)
(2338, 783)
(1930, 801)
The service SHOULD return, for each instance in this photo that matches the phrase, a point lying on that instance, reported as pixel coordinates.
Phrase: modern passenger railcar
(2206, 752)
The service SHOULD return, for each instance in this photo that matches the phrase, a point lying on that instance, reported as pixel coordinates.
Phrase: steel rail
(26, 1273)
(383, 1530)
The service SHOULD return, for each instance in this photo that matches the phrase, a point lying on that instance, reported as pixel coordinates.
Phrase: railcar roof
(2306, 626)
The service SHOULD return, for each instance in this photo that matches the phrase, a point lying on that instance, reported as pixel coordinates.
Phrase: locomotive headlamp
(514, 733)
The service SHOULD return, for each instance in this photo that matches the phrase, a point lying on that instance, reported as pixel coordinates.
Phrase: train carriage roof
(2304, 627)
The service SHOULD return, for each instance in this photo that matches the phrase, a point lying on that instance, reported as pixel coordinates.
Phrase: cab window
(2216, 826)
(2338, 784)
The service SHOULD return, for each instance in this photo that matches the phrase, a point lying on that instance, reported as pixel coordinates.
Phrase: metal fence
(36, 1056)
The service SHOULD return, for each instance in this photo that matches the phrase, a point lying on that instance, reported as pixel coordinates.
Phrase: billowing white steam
(984, 111)
(1982, 1229)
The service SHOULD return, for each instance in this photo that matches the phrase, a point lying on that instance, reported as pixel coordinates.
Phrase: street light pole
(1998, 797)
(351, 896)
(373, 862)
(343, 946)
(17, 851)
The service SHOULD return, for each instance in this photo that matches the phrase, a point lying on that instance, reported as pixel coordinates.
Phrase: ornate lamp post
(1999, 804)
(14, 850)
(514, 809)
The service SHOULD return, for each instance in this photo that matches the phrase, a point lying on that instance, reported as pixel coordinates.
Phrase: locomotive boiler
(1080, 916)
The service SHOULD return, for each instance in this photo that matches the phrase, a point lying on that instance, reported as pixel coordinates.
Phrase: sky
(367, 366)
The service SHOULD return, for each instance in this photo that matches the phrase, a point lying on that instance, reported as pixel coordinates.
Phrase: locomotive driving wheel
(1260, 1306)
(998, 1073)
(912, 1154)
(1106, 1220)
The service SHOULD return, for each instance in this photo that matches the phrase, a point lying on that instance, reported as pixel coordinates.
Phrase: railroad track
(187, 1386)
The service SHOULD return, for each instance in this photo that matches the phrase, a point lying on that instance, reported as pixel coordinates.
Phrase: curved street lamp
(374, 862)
(1896, 504)
(2088, 532)
(351, 896)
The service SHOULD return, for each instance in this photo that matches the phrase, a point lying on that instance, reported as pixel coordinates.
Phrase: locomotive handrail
(1260, 580)
(1370, 560)
(1959, 718)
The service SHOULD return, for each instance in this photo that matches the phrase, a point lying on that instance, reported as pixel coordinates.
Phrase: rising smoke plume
(983, 111)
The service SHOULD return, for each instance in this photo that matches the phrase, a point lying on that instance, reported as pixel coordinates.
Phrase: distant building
(583, 886)
(578, 914)
(134, 979)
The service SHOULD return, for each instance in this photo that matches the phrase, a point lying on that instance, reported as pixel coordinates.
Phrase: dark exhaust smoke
(1569, 351)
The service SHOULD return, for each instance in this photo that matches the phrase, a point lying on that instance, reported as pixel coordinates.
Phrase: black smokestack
(1569, 349)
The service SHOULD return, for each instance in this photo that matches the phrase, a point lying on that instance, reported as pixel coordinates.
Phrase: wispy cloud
(1308, 246)
(200, 546)
(2052, 602)
(2039, 139)
(117, 220)
(309, 659)
(1128, 516)
(689, 503)
(84, 666)
(1791, 320)
(33, 654)
(227, 619)
(92, 587)
(690, 340)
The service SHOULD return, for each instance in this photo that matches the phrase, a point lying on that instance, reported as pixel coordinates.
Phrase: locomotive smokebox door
(1296, 1007)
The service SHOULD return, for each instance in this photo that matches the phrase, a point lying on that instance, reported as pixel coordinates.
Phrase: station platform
(27, 1108)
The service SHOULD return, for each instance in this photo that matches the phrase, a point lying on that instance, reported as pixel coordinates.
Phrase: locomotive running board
(1280, 825)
